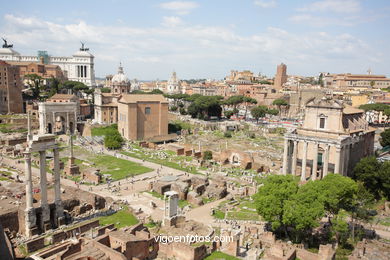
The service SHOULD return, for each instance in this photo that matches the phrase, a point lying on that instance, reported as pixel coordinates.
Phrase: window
(147, 110)
(322, 122)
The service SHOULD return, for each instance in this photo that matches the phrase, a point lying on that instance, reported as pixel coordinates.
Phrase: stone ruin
(192, 189)
(38, 220)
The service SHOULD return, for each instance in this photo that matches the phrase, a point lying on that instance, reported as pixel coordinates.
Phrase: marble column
(315, 162)
(29, 134)
(304, 160)
(67, 123)
(326, 162)
(29, 213)
(57, 187)
(346, 158)
(28, 180)
(294, 159)
(285, 155)
(43, 186)
(337, 160)
(54, 123)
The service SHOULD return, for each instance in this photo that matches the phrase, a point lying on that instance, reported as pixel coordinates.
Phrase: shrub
(207, 155)
(228, 134)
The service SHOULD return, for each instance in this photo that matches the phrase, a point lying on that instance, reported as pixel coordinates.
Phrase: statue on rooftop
(6, 45)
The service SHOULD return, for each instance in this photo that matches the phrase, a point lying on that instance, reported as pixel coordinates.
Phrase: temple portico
(332, 139)
(36, 223)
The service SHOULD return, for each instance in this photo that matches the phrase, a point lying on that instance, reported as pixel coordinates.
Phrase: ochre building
(142, 117)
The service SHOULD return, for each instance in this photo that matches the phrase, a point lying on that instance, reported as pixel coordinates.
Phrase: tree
(207, 155)
(336, 192)
(75, 86)
(272, 196)
(113, 141)
(173, 108)
(272, 111)
(182, 111)
(105, 90)
(340, 227)
(234, 101)
(35, 83)
(367, 171)
(54, 86)
(385, 138)
(304, 210)
(258, 112)
(360, 208)
(279, 103)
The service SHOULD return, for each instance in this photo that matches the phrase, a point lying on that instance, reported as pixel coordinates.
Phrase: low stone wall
(183, 251)
(35, 244)
(10, 220)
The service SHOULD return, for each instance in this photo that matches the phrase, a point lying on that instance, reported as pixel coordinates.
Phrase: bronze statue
(6, 45)
(82, 47)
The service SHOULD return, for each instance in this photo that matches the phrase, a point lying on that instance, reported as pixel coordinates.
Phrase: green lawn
(219, 214)
(105, 130)
(164, 162)
(219, 255)
(122, 218)
(242, 215)
(118, 168)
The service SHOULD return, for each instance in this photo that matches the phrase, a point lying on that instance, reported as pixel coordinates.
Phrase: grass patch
(219, 255)
(242, 215)
(156, 195)
(164, 162)
(219, 214)
(122, 218)
(4, 178)
(342, 253)
(118, 168)
(183, 203)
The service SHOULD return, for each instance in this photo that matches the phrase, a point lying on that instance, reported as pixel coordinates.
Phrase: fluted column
(29, 212)
(28, 180)
(346, 159)
(285, 155)
(337, 160)
(43, 184)
(304, 160)
(315, 162)
(57, 185)
(294, 159)
(326, 162)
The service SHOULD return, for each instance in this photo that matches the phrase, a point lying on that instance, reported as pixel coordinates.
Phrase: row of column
(30, 211)
(341, 166)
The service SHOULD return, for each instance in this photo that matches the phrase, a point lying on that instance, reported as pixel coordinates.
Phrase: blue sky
(206, 39)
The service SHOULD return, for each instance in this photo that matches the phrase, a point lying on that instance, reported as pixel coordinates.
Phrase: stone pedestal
(30, 222)
(71, 168)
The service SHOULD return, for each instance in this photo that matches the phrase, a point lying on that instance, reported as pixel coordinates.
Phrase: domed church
(120, 83)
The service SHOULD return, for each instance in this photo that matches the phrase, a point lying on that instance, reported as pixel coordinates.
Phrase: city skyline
(203, 39)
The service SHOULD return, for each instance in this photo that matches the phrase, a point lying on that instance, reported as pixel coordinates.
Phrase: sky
(206, 38)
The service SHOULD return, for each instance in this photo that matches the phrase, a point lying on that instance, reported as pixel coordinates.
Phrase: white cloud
(149, 53)
(265, 3)
(179, 7)
(171, 21)
(322, 21)
(337, 6)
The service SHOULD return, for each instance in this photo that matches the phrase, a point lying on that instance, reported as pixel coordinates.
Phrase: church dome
(120, 77)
